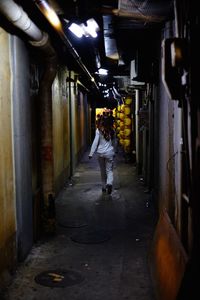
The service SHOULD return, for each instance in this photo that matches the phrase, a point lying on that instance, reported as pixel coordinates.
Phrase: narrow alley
(85, 84)
(102, 242)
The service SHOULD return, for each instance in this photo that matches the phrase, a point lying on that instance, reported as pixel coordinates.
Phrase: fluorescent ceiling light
(76, 29)
(102, 71)
(88, 30)
(91, 28)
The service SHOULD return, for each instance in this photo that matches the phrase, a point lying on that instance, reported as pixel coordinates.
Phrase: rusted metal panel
(168, 259)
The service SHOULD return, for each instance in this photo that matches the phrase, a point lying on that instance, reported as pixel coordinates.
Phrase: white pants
(106, 168)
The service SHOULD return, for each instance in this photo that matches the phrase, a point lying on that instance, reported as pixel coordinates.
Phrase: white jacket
(101, 145)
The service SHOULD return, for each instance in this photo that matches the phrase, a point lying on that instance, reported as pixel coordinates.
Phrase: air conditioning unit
(141, 68)
(122, 81)
(134, 74)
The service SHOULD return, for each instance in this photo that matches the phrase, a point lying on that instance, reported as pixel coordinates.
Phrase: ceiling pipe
(48, 12)
(18, 17)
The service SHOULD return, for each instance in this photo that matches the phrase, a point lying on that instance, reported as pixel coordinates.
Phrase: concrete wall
(71, 125)
(79, 120)
(7, 186)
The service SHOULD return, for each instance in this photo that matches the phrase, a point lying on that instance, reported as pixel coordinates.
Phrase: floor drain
(90, 236)
(59, 278)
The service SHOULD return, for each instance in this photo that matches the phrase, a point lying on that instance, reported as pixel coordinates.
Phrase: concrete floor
(102, 243)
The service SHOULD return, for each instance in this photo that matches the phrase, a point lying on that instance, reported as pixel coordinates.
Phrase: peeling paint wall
(61, 136)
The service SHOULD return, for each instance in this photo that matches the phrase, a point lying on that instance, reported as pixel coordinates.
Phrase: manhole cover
(91, 236)
(59, 278)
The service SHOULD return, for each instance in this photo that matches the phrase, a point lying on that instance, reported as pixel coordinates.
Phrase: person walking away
(103, 146)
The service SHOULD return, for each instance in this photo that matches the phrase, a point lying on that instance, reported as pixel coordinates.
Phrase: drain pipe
(18, 17)
(46, 130)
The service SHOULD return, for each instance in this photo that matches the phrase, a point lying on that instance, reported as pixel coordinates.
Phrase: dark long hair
(106, 129)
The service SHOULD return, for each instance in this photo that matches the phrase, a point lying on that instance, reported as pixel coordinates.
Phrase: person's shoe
(109, 189)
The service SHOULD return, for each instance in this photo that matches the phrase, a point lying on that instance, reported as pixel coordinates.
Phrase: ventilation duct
(109, 40)
(149, 10)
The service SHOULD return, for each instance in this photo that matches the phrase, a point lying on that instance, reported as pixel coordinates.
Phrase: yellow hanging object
(127, 121)
(127, 132)
(121, 141)
(121, 133)
(127, 110)
(121, 116)
(127, 142)
(128, 100)
(121, 125)
(122, 108)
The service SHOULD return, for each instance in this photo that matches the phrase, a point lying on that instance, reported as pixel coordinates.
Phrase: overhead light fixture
(55, 21)
(92, 28)
(88, 29)
(102, 71)
(76, 29)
